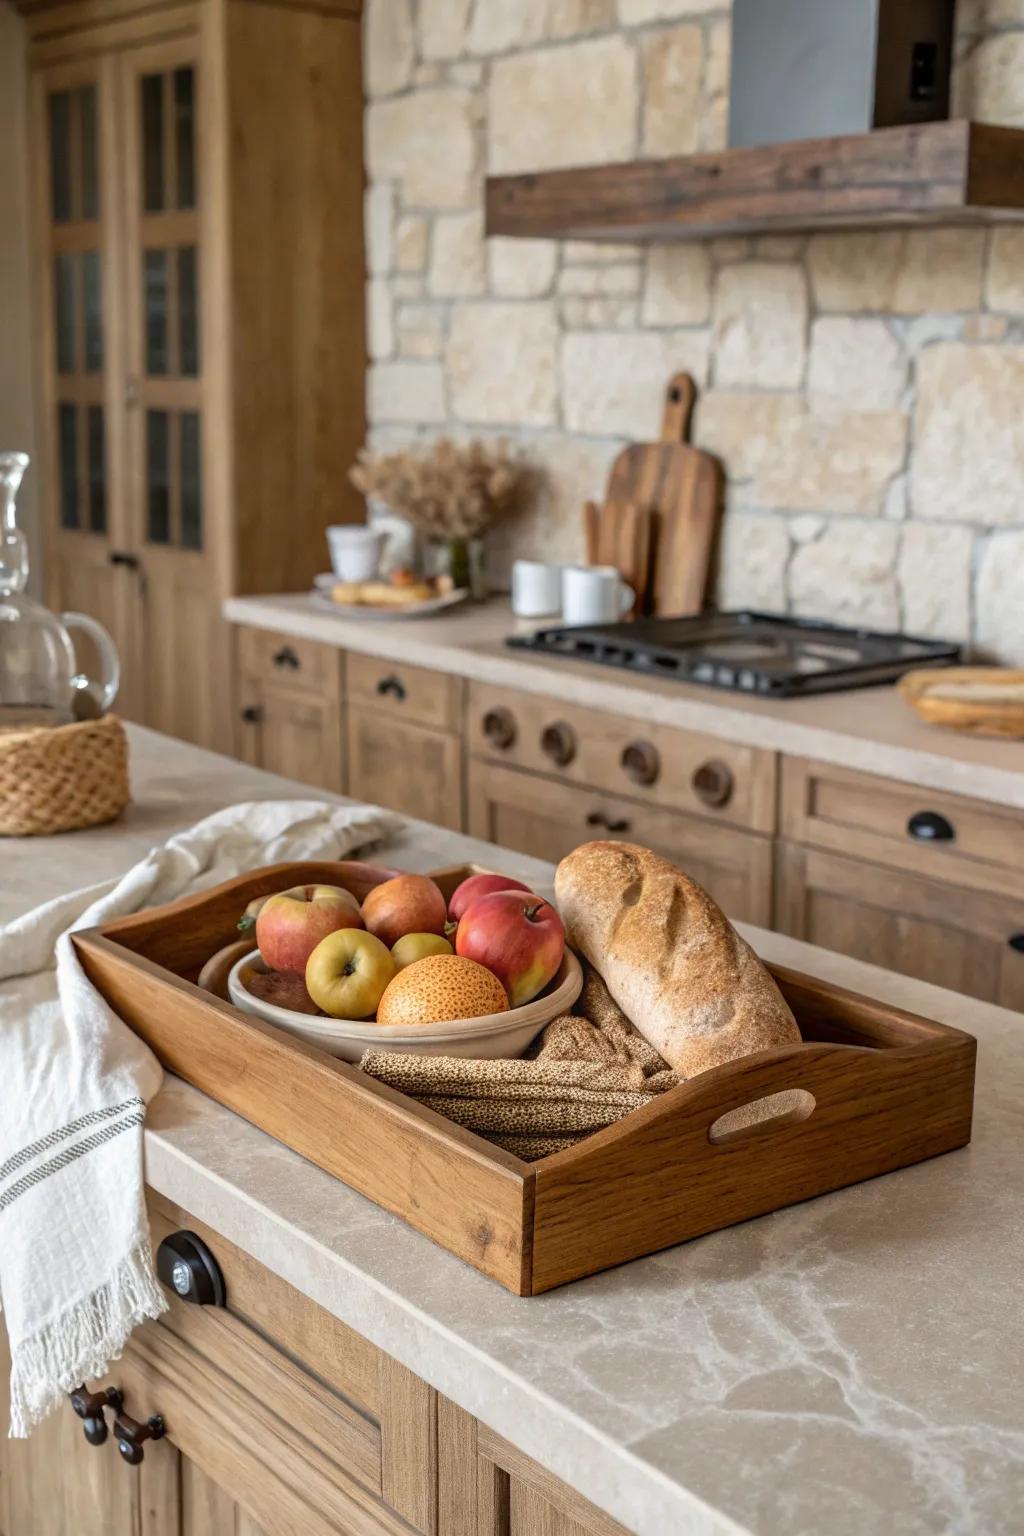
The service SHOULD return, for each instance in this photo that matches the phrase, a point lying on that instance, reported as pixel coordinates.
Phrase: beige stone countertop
(849, 1365)
(868, 728)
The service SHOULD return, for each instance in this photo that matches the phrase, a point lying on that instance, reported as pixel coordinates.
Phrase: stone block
(406, 392)
(1004, 288)
(754, 553)
(991, 83)
(442, 25)
(563, 106)
(379, 224)
(380, 337)
(848, 576)
(457, 257)
(636, 13)
(673, 67)
(411, 243)
(613, 382)
(677, 289)
(760, 324)
(389, 46)
(999, 597)
(968, 463)
(899, 272)
(421, 330)
(935, 580)
(857, 361)
(521, 269)
(502, 362)
(427, 141)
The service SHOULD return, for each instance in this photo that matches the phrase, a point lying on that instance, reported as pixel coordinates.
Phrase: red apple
(476, 886)
(406, 904)
(290, 925)
(518, 937)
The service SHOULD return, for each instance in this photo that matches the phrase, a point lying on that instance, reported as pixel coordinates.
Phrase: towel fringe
(79, 1345)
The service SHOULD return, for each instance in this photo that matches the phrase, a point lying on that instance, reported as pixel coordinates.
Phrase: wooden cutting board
(681, 487)
(621, 536)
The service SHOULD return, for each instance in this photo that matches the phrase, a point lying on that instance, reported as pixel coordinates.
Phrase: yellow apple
(347, 972)
(417, 946)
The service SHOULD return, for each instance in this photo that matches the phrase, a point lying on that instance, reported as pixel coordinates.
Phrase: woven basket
(61, 779)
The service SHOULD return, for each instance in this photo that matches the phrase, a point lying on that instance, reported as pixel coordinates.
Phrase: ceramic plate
(321, 596)
(498, 1034)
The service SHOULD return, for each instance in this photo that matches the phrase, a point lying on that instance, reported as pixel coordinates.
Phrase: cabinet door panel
(547, 820)
(923, 928)
(405, 767)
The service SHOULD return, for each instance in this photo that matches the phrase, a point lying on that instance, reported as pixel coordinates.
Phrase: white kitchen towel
(76, 1269)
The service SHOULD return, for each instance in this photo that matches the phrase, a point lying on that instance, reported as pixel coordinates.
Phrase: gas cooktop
(747, 652)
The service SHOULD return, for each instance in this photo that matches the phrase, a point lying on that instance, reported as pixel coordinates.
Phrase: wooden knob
(641, 762)
(713, 783)
(499, 727)
(558, 742)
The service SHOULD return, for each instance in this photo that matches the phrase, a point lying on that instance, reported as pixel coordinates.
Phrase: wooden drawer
(681, 770)
(280, 659)
(548, 819)
(408, 693)
(303, 1423)
(408, 768)
(941, 933)
(875, 819)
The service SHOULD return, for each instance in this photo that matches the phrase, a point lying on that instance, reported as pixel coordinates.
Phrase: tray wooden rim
(901, 1038)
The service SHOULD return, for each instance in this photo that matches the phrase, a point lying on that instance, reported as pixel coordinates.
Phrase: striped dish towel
(76, 1270)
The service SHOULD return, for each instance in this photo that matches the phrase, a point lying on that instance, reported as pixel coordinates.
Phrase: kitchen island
(850, 1365)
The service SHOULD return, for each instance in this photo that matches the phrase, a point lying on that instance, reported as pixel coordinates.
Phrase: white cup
(536, 589)
(355, 551)
(594, 594)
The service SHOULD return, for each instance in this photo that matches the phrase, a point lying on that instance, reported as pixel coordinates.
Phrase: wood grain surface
(888, 1089)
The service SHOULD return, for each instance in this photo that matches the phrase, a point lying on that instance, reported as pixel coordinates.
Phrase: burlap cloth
(589, 1069)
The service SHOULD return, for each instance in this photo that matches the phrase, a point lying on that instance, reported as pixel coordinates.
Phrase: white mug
(355, 550)
(594, 594)
(536, 589)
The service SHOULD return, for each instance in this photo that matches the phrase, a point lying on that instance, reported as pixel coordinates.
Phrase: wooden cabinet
(661, 766)
(279, 1420)
(547, 819)
(195, 431)
(404, 742)
(921, 882)
(289, 719)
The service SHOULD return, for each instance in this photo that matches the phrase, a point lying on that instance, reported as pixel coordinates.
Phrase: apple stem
(530, 913)
(245, 922)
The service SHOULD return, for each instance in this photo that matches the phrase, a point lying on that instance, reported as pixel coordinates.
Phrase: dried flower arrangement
(448, 491)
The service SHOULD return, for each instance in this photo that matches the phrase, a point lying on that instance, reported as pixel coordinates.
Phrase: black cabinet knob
(186, 1265)
(930, 827)
(252, 714)
(1016, 941)
(286, 657)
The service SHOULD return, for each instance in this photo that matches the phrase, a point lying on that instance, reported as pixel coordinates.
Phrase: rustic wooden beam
(932, 173)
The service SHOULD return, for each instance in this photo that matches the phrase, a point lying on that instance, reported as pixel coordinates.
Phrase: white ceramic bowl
(498, 1034)
(355, 551)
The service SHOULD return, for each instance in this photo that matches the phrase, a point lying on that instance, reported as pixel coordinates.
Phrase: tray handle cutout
(760, 1115)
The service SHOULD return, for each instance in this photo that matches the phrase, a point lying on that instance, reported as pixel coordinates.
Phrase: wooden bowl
(484, 1039)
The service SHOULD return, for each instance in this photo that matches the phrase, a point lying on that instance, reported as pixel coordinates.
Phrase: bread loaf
(669, 957)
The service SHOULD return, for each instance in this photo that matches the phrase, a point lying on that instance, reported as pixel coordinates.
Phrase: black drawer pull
(184, 1263)
(1016, 941)
(599, 819)
(930, 827)
(123, 557)
(252, 714)
(286, 657)
(91, 1409)
(130, 1435)
(392, 685)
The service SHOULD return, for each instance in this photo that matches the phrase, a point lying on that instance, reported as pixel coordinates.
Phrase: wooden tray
(878, 1089)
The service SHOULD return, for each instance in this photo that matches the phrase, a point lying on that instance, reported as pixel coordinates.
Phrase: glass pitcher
(40, 681)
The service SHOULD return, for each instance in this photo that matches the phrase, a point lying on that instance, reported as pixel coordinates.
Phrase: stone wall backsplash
(865, 391)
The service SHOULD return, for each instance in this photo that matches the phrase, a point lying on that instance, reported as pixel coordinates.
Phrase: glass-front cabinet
(126, 514)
